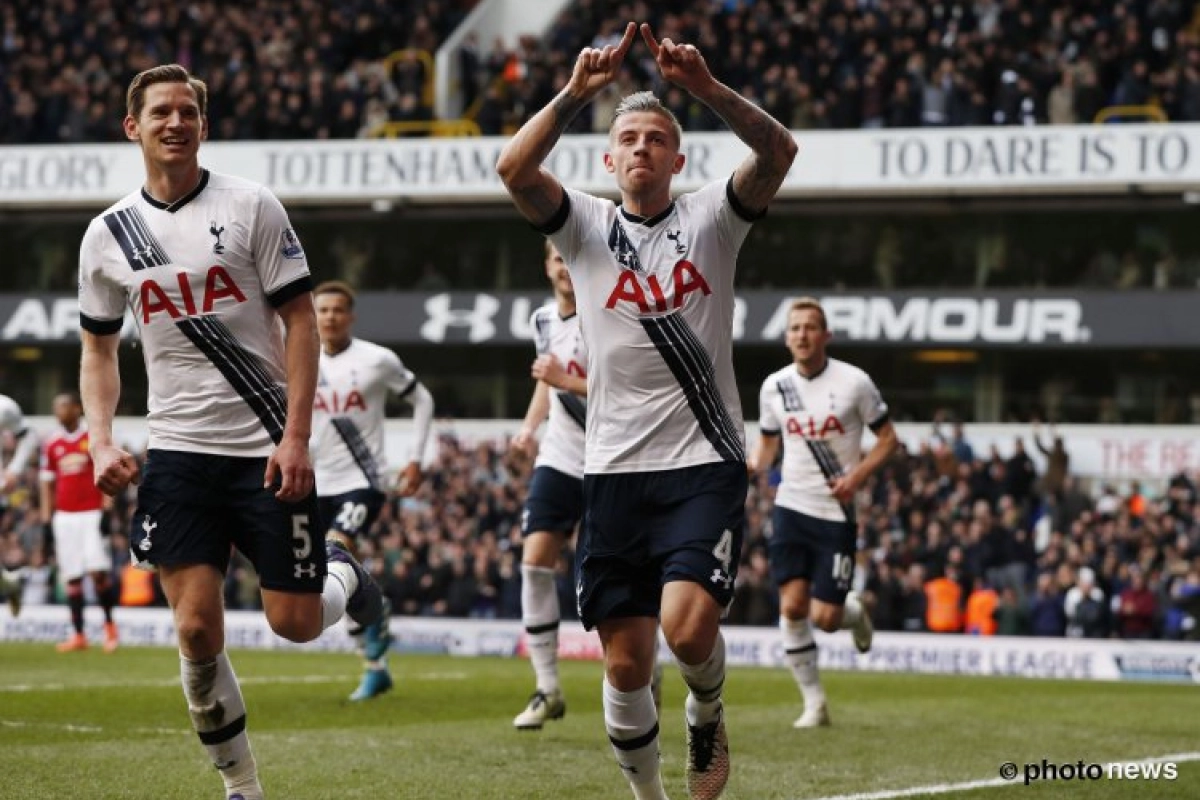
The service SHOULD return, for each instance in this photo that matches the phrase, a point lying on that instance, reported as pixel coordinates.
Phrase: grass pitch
(101, 726)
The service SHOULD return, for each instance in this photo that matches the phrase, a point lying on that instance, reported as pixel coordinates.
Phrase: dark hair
(135, 96)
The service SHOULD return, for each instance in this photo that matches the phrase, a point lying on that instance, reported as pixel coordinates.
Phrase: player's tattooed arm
(772, 147)
(537, 194)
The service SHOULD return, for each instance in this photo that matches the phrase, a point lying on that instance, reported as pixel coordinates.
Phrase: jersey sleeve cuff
(738, 207)
(879, 423)
(100, 327)
(412, 387)
(768, 432)
(555, 223)
(290, 291)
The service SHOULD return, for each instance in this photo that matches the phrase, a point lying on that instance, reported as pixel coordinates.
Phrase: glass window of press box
(903, 244)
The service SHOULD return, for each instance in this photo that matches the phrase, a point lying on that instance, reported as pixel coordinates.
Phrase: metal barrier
(1149, 112)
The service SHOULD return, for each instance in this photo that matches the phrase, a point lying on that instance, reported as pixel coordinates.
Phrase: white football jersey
(13, 421)
(655, 299)
(203, 277)
(348, 415)
(821, 420)
(11, 418)
(561, 446)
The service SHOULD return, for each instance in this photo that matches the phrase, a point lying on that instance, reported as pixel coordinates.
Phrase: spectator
(1011, 615)
(944, 602)
(1047, 616)
(1085, 609)
(1136, 608)
(1058, 461)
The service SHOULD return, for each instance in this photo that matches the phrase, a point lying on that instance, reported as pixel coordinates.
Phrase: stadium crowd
(884, 63)
(275, 69)
(951, 540)
(312, 70)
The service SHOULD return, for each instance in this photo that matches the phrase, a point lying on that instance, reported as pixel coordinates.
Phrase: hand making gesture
(681, 64)
(595, 69)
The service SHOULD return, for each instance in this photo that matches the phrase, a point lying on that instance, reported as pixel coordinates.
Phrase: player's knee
(626, 672)
(793, 609)
(295, 627)
(198, 639)
(827, 619)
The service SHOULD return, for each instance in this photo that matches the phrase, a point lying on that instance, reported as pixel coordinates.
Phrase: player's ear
(677, 167)
(131, 128)
(608, 163)
(204, 128)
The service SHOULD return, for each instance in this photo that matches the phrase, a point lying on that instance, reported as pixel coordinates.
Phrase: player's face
(67, 412)
(557, 272)
(806, 337)
(643, 152)
(334, 318)
(170, 126)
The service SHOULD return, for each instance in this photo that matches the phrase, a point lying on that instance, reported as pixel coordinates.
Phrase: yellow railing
(408, 53)
(436, 127)
(1149, 112)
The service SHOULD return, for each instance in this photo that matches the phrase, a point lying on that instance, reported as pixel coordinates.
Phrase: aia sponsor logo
(650, 296)
(332, 402)
(183, 298)
(810, 428)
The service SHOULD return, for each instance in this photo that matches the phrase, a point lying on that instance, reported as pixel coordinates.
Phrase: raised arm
(772, 147)
(536, 193)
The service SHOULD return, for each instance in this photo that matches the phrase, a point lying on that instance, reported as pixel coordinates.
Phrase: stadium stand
(275, 69)
(887, 63)
(311, 70)
(1050, 558)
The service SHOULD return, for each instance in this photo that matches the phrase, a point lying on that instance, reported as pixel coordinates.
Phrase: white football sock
(800, 652)
(219, 717)
(341, 581)
(852, 612)
(705, 682)
(540, 616)
(632, 725)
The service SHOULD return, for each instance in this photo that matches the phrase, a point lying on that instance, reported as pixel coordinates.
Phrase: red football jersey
(66, 461)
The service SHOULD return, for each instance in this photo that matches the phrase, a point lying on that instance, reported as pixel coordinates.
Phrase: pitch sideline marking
(988, 783)
(252, 680)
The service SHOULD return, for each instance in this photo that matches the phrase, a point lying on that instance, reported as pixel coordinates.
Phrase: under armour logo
(144, 255)
(674, 236)
(306, 570)
(147, 528)
(218, 248)
(477, 320)
(719, 576)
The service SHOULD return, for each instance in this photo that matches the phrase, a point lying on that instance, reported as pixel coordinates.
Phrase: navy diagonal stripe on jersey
(694, 372)
(575, 407)
(138, 244)
(697, 357)
(274, 394)
(358, 448)
(541, 333)
(791, 397)
(248, 377)
(831, 468)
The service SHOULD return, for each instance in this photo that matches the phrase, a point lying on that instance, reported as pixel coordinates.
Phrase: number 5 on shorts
(302, 536)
